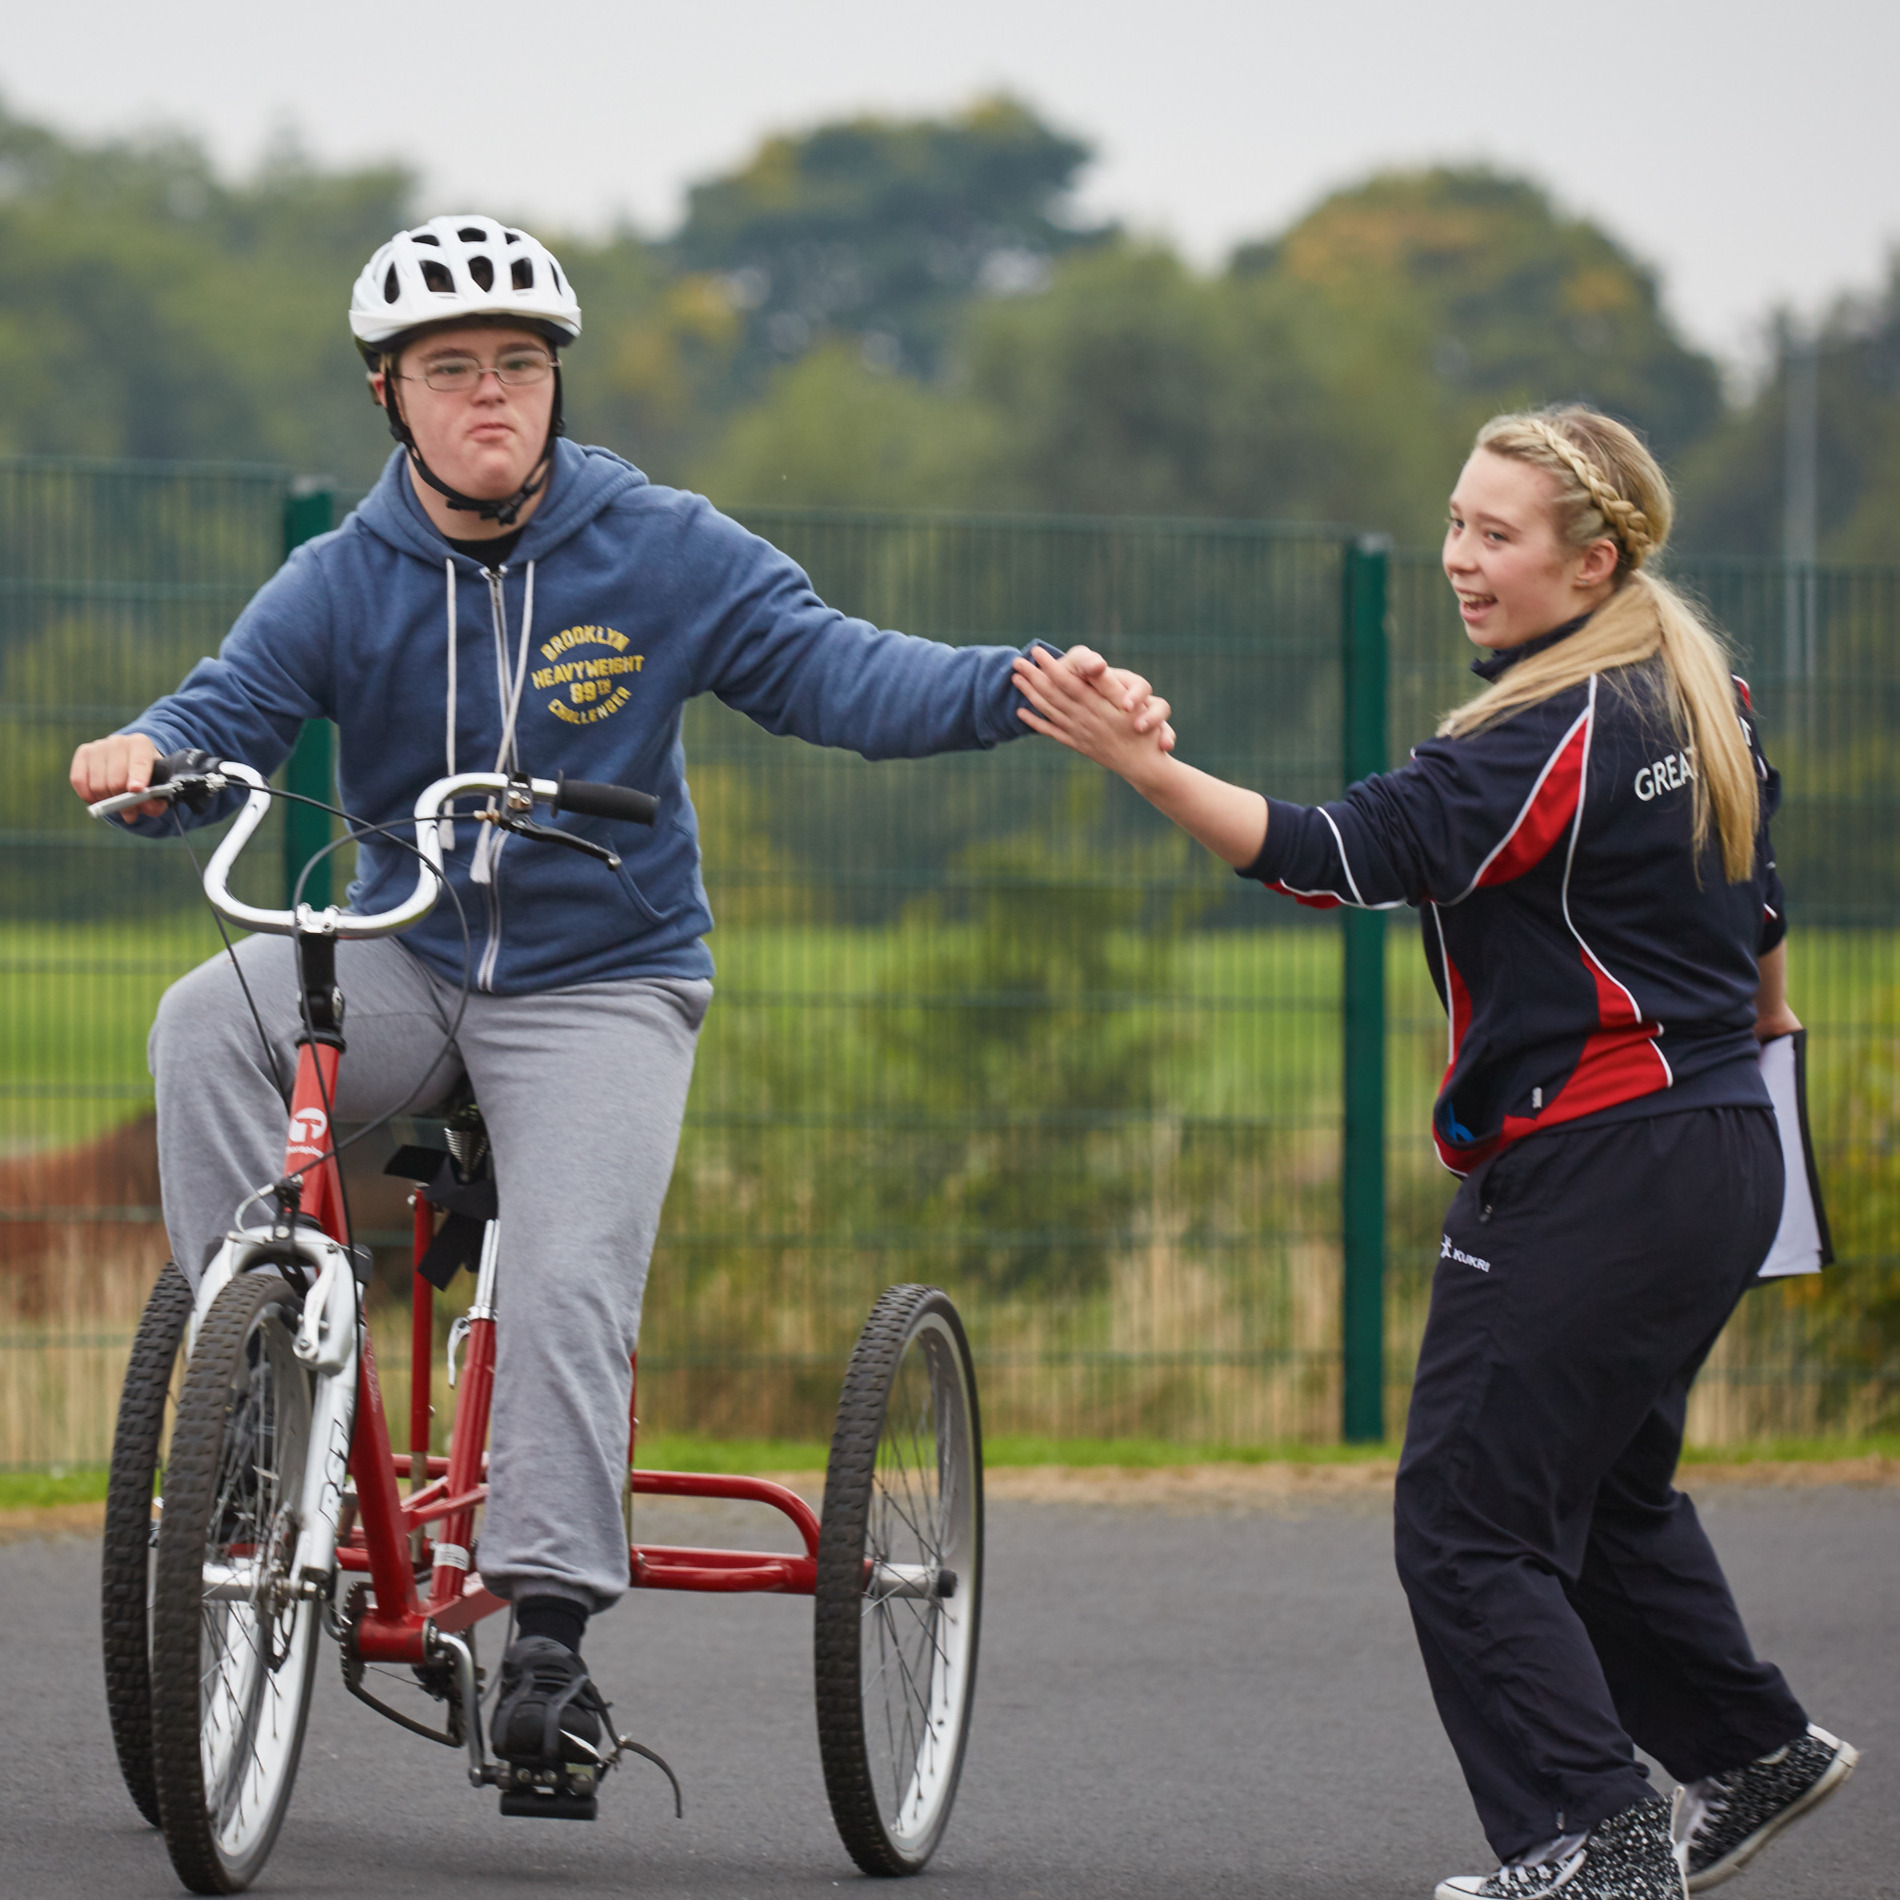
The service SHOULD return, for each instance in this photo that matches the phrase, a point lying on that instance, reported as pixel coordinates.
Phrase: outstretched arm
(775, 652)
(1067, 704)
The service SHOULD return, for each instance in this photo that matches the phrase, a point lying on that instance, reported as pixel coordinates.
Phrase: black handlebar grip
(179, 765)
(594, 800)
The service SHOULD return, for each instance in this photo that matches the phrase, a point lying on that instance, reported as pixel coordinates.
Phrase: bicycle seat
(460, 1181)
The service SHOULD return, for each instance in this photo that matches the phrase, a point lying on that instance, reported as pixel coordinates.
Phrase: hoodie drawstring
(446, 830)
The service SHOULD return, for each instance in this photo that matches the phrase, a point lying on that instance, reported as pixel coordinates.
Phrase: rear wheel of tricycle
(234, 1634)
(900, 1581)
(135, 1492)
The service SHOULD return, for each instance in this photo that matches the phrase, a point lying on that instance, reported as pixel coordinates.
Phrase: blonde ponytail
(1610, 486)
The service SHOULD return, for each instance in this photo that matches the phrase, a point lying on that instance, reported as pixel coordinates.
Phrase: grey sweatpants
(583, 1091)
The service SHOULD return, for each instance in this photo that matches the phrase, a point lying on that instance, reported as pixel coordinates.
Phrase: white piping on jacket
(446, 830)
(1570, 859)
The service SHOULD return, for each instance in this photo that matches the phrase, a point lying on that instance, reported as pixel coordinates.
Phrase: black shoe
(547, 1730)
(1724, 1821)
(1627, 1857)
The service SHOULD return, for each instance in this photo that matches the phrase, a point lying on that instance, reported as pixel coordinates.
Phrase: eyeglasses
(459, 374)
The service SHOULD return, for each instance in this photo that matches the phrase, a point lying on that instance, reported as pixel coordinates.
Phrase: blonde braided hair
(1628, 524)
(1609, 486)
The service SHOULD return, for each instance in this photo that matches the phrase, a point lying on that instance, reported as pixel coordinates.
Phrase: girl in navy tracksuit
(1586, 843)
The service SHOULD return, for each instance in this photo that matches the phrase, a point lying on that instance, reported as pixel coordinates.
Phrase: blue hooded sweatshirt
(620, 602)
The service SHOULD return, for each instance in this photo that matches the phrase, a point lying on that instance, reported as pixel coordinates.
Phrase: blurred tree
(1107, 385)
(1425, 302)
(1337, 373)
(832, 433)
(1133, 386)
(884, 230)
(98, 353)
(1735, 483)
(651, 374)
(146, 309)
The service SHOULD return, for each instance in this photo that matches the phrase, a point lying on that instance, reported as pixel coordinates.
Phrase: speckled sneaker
(1628, 1857)
(1724, 1821)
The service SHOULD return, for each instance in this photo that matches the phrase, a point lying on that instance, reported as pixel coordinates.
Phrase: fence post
(1362, 1159)
(311, 767)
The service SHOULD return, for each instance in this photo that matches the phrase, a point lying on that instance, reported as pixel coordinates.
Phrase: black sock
(559, 1617)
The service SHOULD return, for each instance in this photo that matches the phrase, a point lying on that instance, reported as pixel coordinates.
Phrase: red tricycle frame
(397, 1537)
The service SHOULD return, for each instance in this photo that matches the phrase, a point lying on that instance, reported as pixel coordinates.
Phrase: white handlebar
(331, 921)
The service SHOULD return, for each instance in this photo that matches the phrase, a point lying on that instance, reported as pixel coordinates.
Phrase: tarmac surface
(1201, 1701)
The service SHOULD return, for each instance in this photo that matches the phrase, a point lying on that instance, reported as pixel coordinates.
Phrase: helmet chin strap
(504, 510)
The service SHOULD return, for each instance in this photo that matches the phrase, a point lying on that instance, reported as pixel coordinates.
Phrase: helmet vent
(482, 270)
(513, 237)
(472, 234)
(391, 288)
(437, 277)
(424, 237)
(521, 272)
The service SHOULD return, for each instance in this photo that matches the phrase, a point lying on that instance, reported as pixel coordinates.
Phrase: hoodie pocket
(638, 898)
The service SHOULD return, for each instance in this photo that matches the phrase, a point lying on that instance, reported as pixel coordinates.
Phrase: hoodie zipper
(507, 759)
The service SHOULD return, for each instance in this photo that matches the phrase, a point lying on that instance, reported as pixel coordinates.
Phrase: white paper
(1797, 1247)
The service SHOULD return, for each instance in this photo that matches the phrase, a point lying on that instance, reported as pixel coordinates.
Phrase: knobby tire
(139, 1443)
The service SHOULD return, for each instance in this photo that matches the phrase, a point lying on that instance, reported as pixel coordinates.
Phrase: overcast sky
(1748, 150)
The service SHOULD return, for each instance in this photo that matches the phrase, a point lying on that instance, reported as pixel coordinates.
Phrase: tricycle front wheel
(234, 1633)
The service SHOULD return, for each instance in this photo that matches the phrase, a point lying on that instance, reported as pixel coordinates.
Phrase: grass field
(43, 1490)
(76, 1002)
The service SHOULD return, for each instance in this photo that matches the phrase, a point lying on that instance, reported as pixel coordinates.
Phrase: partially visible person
(1587, 844)
(506, 601)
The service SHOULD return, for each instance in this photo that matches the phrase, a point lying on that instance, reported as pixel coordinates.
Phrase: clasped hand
(1100, 711)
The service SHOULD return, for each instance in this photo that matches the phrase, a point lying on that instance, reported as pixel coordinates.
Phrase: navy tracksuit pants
(1566, 1598)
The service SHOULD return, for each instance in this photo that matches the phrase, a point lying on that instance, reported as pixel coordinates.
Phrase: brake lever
(550, 834)
(195, 775)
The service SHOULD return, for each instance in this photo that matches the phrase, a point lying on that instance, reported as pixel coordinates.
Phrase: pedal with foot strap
(570, 1793)
(549, 1794)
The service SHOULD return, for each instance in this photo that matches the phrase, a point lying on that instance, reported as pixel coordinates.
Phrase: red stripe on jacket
(1546, 816)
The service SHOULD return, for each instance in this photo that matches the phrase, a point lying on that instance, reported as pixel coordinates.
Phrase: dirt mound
(80, 1233)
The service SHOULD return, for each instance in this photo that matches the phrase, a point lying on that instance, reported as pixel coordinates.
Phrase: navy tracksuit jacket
(1582, 964)
(1621, 1184)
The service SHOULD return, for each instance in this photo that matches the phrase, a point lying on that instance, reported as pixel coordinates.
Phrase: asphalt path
(1168, 1705)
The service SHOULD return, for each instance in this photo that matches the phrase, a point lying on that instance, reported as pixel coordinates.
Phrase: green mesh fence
(113, 580)
(981, 1020)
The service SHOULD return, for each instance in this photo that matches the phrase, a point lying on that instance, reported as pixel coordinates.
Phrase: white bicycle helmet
(452, 267)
